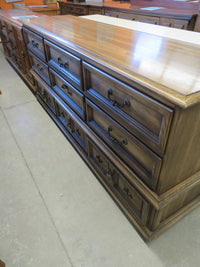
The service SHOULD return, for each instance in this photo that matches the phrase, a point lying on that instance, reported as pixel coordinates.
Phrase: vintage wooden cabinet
(127, 111)
(13, 44)
(181, 19)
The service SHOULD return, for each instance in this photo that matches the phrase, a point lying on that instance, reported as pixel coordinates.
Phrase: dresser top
(165, 66)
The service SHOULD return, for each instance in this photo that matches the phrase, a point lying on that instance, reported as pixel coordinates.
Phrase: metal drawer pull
(62, 114)
(114, 140)
(78, 132)
(99, 158)
(34, 44)
(39, 68)
(65, 87)
(127, 191)
(114, 102)
(65, 65)
(69, 125)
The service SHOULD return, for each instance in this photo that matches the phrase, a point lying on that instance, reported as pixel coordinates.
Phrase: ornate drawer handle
(99, 159)
(78, 132)
(65, 87)
(114, 140)
(65, 65)
(62, 114)
(114, 102)
(34, 44)
(69, 125)
(127, 191)
(39, 67)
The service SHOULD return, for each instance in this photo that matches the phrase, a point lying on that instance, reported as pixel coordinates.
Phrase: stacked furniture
(136, 126)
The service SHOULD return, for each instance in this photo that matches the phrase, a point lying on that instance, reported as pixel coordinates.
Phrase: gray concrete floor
(53, 211)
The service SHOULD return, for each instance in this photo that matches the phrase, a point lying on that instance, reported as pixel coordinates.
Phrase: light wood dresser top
(165, 66)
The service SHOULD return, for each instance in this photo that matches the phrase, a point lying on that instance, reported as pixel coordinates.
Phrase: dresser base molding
(159, 219)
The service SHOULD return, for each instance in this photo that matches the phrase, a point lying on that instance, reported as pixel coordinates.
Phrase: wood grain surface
(166, 66)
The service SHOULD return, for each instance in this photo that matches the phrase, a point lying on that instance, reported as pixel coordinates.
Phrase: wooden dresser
(176, 17)
(130, 107)
(13, 43)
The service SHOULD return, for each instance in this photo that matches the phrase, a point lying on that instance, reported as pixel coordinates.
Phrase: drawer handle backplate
(65, 87)
(34, 44)
(114, 102)
(114, 140)
(65, 65)
(99, 159)
(127, 191)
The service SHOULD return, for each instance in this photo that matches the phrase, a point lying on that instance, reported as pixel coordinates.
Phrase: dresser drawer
(124, 191)
(34, 43)
(81, 10)
(174, 23)
(128, 16)
(70, 8)
(39, 67)
(70, 123)
(94, 10)
(68, 93)
(144, 163)
(45, 93)
(68, 65)
(148, 19)
(146, 118)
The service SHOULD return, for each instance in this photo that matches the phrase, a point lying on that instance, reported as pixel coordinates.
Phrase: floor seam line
(18, 105)
(31, 174)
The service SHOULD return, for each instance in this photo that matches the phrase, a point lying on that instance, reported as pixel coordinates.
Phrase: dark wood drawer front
(81, 10)
(127, 16)
(68, 93)
(149, 19)
(39, 67)
(144, 163)
(147, 119)
(174, 23)
(68, 65)
(94, 10)
(70, 123)
(34, 43)
(125, 192)
(70, 8)
(79, 135)
(44, 93)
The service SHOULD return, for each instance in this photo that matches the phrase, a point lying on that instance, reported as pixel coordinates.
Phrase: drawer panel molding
(73, 97)
(144, 117)
(144, 163)
(131, 199)
(68, 65)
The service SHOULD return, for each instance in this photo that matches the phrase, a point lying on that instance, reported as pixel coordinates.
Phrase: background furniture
(170, 17)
